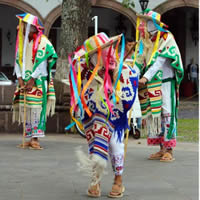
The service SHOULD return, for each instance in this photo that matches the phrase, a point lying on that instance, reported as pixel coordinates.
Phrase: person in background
(158, 61)
(34, 58)
(129, 48)
(193, 71)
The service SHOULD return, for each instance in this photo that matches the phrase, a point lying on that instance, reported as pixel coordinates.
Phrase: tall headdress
(92, 45)
(160, 26)
(21, 41)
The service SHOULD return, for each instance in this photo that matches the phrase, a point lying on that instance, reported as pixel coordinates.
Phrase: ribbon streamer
(91, 78)
(120, 67)
(156, 25)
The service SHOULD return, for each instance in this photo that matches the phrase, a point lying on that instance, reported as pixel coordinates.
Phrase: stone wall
(55, 124)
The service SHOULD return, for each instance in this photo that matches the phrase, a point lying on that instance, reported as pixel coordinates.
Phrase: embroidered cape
(150, 95)
(116, 122)
(38, 97)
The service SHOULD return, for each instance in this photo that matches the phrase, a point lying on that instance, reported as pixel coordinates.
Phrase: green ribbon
(87, 59)
(173, 107)
(42, 124)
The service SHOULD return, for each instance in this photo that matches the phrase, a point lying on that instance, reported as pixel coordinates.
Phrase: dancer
(35, 57)
(160, 66)
(103, 79)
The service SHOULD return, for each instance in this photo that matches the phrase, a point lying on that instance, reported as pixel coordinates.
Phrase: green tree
(128, 3)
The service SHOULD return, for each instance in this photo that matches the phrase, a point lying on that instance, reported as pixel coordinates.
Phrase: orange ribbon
(91, 78)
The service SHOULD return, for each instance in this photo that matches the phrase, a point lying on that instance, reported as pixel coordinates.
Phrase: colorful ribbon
(20, 42)
(107, 80)
(141, 47)
(156, 25)
(91, 78)
(116, 50)
(74, 81)
(79, 76)
(137, 39)
(120, 67)
(155, 48)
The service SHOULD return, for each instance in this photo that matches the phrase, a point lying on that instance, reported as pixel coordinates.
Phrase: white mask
(151, 27)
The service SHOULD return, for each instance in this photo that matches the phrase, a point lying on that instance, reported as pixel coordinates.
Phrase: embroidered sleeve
(17, 70)
(154, 68)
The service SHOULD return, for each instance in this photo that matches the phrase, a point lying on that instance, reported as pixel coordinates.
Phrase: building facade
(182, 17)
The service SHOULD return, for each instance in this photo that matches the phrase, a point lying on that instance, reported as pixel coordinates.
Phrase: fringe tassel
(154, 125)
(16, 114)
(51, 104)
(31, 114)
(92, 165)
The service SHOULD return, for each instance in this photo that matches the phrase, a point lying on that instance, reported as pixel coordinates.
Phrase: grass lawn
(188, 130)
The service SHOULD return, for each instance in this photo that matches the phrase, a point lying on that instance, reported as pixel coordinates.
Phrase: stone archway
(21, 5)
(51, 18)
(169, 5)
(182, 27)
(111, 4)
(177, 14)
(130, 14)
(9, 9)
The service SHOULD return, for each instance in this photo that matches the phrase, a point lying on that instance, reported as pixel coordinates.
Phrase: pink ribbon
(107, 79)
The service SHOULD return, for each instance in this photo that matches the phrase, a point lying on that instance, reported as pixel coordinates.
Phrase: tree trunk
(75, 19)
(74, 23)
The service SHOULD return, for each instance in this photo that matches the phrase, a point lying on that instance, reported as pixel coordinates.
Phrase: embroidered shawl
(38, 97)
(150, 95)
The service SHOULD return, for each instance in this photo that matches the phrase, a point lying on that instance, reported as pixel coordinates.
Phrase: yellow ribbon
(155, 47)
(117, 89)
(74, 119)
(20, 42)
(137, 39)
(116, 51)
(79, 76)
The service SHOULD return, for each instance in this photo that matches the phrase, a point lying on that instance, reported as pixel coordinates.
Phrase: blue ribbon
(75, 89)
(120, 67)
(70, 125)
(141, 47)
(156, 25)
(76, 95)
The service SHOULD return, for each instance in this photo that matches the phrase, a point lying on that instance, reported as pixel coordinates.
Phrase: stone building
(180, 15)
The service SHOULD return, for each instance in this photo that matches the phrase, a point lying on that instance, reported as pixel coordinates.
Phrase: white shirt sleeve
(135, 67)
(154, 68)
(17, 70)
(40, 70)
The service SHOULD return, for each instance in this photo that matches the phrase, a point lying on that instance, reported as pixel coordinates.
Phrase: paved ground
(189, 108)
(51, 174)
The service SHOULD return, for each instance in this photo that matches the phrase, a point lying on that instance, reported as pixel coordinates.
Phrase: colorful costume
(136, 114)
(34, 59)
(160, 63)
(104, 120)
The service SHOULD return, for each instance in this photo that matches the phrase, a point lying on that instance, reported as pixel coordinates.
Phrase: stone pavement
(51, 174)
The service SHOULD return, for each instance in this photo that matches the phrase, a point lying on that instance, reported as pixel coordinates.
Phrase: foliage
(128, 4)
(188, 130)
